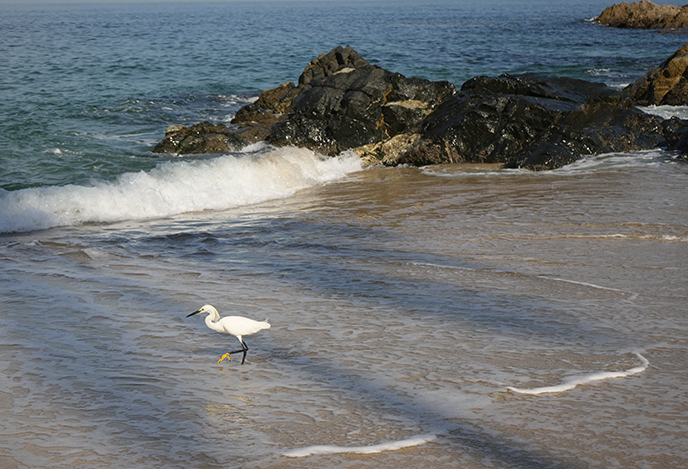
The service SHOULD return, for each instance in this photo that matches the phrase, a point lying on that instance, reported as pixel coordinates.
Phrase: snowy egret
(237, 326)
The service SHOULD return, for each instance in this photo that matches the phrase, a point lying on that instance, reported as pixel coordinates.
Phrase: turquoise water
(410, 307)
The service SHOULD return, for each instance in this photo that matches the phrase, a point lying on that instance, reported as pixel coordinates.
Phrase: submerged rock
(644, 15)
(342, 102)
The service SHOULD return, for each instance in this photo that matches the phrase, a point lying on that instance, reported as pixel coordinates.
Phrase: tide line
(389, 446)
(572, 382)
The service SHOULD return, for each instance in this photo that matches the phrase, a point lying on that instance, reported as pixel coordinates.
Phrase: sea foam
(172, 188)
(574, 381)
(389, 446)
(666, 112)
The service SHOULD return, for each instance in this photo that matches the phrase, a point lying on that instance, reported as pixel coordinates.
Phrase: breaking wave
(173, 188)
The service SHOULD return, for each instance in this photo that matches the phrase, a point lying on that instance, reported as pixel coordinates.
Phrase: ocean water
(445, 316)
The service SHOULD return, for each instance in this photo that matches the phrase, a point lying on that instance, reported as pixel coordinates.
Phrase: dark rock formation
(344, 103)
(532, 121)
(644, 15)
(666, 84)
(277, 99)
(356, 107)
(331, 63)
(199, 138)
(676, 131)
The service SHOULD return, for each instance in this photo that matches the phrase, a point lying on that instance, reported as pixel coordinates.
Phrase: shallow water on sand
(403, 303)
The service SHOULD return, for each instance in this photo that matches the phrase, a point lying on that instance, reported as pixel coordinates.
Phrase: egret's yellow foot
(226, 355)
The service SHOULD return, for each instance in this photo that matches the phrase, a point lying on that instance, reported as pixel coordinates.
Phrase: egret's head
(205, 309)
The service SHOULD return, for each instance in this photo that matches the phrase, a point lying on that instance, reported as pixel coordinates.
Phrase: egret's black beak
(195, 312)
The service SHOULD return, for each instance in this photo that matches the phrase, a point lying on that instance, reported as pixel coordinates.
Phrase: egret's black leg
(245, 350)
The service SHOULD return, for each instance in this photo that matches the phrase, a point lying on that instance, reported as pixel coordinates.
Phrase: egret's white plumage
(238, 326)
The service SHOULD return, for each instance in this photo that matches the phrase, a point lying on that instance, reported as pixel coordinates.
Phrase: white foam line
(591, 285)
(440, 266)
(571, 383)
(389, 446)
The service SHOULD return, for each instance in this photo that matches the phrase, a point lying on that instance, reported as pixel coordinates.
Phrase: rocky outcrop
(342, 102)
(356, 107)
(664, 85)
(644, 15)
(338, 60)
(199, 138)
(532, 121)
(676, 131)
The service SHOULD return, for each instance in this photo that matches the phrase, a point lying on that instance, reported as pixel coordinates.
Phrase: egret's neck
(211, 322)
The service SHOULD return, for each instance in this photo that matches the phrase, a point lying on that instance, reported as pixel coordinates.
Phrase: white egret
(237, 326)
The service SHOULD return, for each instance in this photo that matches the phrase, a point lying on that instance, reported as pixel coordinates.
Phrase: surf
(172, 188)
